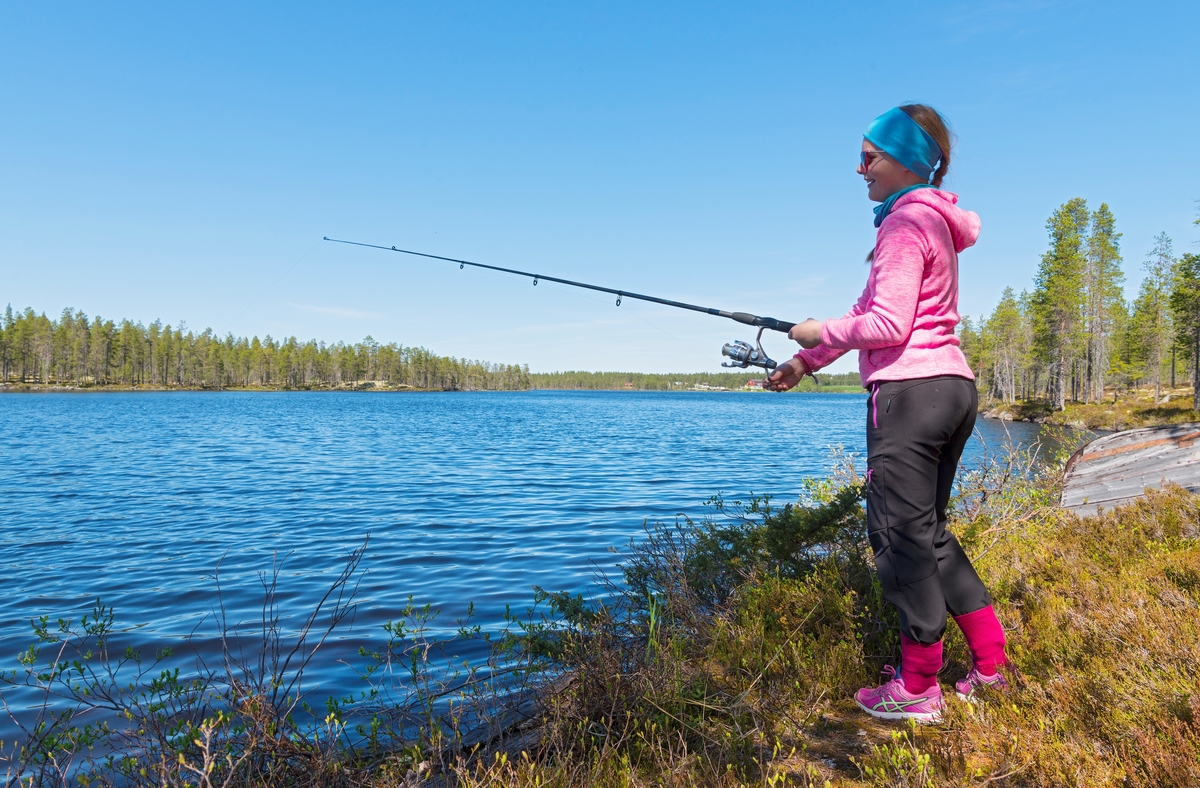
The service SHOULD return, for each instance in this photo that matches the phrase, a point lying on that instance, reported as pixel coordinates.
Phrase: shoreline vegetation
(93, 352)
(1137, 408)
(1061, 351)
(78, 353)
(725, 654)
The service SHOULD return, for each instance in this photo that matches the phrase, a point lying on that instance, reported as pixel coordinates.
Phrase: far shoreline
(39, 388)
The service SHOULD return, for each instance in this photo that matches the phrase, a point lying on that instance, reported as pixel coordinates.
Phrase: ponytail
(934, 124)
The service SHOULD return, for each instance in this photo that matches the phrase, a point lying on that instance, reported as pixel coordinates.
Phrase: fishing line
(741, 353)
(263, 293)
(690, 347)
(632, 312)
(639, 317)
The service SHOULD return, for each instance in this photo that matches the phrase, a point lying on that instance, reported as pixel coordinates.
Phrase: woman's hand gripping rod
(741, 353)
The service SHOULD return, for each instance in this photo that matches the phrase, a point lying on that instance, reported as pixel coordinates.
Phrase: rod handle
(762, 322)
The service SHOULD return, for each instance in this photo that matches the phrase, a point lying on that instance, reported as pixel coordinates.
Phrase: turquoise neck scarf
(902, 138)
(885, 207)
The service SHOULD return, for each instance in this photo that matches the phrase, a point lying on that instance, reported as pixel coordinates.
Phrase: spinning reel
(744, 356)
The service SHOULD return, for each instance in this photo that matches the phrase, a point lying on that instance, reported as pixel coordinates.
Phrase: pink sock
(985, 638)
(919, 664)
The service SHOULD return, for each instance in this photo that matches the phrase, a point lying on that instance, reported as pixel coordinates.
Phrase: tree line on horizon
(1074, 335)
(75, 350)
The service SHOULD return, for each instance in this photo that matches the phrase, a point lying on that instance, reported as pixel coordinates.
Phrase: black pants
(916, 432)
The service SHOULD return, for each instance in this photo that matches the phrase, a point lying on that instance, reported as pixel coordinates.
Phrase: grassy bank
(727, 655)
(1125, 411)
(757, 629)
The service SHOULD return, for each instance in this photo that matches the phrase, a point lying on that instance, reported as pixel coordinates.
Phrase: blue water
(467, 497)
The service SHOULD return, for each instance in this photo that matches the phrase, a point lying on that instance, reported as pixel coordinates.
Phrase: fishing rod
(741, 354)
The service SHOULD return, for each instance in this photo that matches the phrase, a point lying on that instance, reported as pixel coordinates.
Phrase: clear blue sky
(162, 162)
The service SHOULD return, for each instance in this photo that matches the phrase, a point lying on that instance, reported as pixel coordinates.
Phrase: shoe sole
(971, 697)
(925, 718)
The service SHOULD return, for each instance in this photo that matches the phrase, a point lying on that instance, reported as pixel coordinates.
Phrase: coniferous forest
(77, 351)
(91, 352)
(1074, 335)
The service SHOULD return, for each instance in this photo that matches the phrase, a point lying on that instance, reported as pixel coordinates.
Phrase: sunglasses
(867, 157)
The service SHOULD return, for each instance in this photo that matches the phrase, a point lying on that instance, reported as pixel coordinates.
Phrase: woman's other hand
(786, 375)
(808, 333)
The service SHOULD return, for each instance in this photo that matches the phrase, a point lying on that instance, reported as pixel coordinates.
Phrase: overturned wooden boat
(1115, 469)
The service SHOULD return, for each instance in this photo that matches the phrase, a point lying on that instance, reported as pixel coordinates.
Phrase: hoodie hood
(964, 225)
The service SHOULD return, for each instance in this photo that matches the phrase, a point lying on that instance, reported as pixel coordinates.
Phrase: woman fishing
(920, 412)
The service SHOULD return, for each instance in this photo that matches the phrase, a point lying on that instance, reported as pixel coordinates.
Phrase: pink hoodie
(903, 324)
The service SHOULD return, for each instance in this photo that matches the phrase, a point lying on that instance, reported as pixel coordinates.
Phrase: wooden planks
(1117, 468)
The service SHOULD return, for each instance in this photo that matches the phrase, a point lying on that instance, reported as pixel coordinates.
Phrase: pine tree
(1103, 282)
(1005, 331)
(1027, 345)
(1155, 313)
(969, 342)
(6, 336)
(1058, 295)
(1185, 308)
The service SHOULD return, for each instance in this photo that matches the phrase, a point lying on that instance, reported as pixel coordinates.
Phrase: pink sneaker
(966, 688)
(892, 701)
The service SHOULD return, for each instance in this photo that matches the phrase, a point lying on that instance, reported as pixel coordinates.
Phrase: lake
(467, 497)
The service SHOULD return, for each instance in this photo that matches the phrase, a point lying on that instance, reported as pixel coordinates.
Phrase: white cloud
(335, 311)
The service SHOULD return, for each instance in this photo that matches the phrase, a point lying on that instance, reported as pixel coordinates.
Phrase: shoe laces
(977, 678)
(892, 674)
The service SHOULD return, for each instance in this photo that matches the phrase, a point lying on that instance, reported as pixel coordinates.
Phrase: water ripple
(135, 498)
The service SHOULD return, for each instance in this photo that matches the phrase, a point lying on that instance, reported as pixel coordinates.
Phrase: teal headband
(902, 138)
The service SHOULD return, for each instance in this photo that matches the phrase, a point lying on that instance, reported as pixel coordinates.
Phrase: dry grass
(1127, 411)
(1103, 619)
